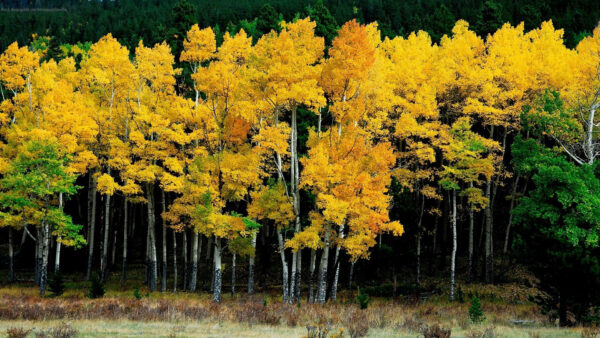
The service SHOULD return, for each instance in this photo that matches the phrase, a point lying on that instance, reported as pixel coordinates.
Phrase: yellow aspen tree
(106, 75)
(285, 74)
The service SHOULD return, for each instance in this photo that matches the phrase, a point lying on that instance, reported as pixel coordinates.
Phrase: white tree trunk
(194, 265)
(153, 273)
(104, 258)
(311, 285)
(91, 222)
(218, 274)
(322, 281)
(124, 258)
(284, 266)
(58, 242)
(454, 243)
(251, 267)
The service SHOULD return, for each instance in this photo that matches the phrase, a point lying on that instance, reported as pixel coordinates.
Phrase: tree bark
(322, 281)
(419, 236)
(11, 272)
(185, 261)
(295, 182)
(311, 285)
(91, 222)
(218, 273)
(38, 255)
(471, 240)
(251, 267)
(453, 262)
(45, 254)
(104, 258)
(510, 216)
(284, 266)
(337, 267)
(194, 264)
(164, 245)
(489, 230)
(233, 275)
(174, 261)
(124, 258)
(153, 273)
(350, 274)
(58, 242)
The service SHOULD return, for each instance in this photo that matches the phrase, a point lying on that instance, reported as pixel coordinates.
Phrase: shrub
(436, 331)
(56, 284)
(363, 300)
(96, 289)
(17, 332)
(136, 293)
(475, 311)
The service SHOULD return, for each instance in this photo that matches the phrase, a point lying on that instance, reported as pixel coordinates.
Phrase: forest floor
(119, 313)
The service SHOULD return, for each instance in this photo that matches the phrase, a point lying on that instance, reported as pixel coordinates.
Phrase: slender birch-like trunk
(11, 272)
(454, 243)
(311, 280)
(124, 258)
(104, 258)
(284, 266)
(233, 275)
(419, 236)
(153, 273)
(58, 239)
(251, 267)
(194, 264)
(185, 276)
(337, 267)
(322, 281)
(174, 261)
(164, 245)
(91, 222)
(218, 273)
(471, 240)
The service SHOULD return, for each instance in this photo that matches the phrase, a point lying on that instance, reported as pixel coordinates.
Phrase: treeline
(279, 147)
(156, 20)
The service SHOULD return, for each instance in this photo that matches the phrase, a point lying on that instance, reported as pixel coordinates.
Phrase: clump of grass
(63, 330)
(436, 331)
(17, 332)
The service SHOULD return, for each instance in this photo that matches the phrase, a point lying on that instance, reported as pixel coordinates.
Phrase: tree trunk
(471, 240)
(45, 254)
(38, 256)
(337, 267)
(174, 261)
(311, 285)
(233, 275)
(322, 281)
(184, 276)
(251, 267)
(218, 273)
(284, 266)
(58, 242)
(298, 275)
(453, 262)
(11, 271)
(153, 273)
(419, 236)
(295, 182)
(104, 258)
(489, 230)
(194, 265)
(350, 274)
(164, 245)
(510, 216)
(124, 259)
(91, 222)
